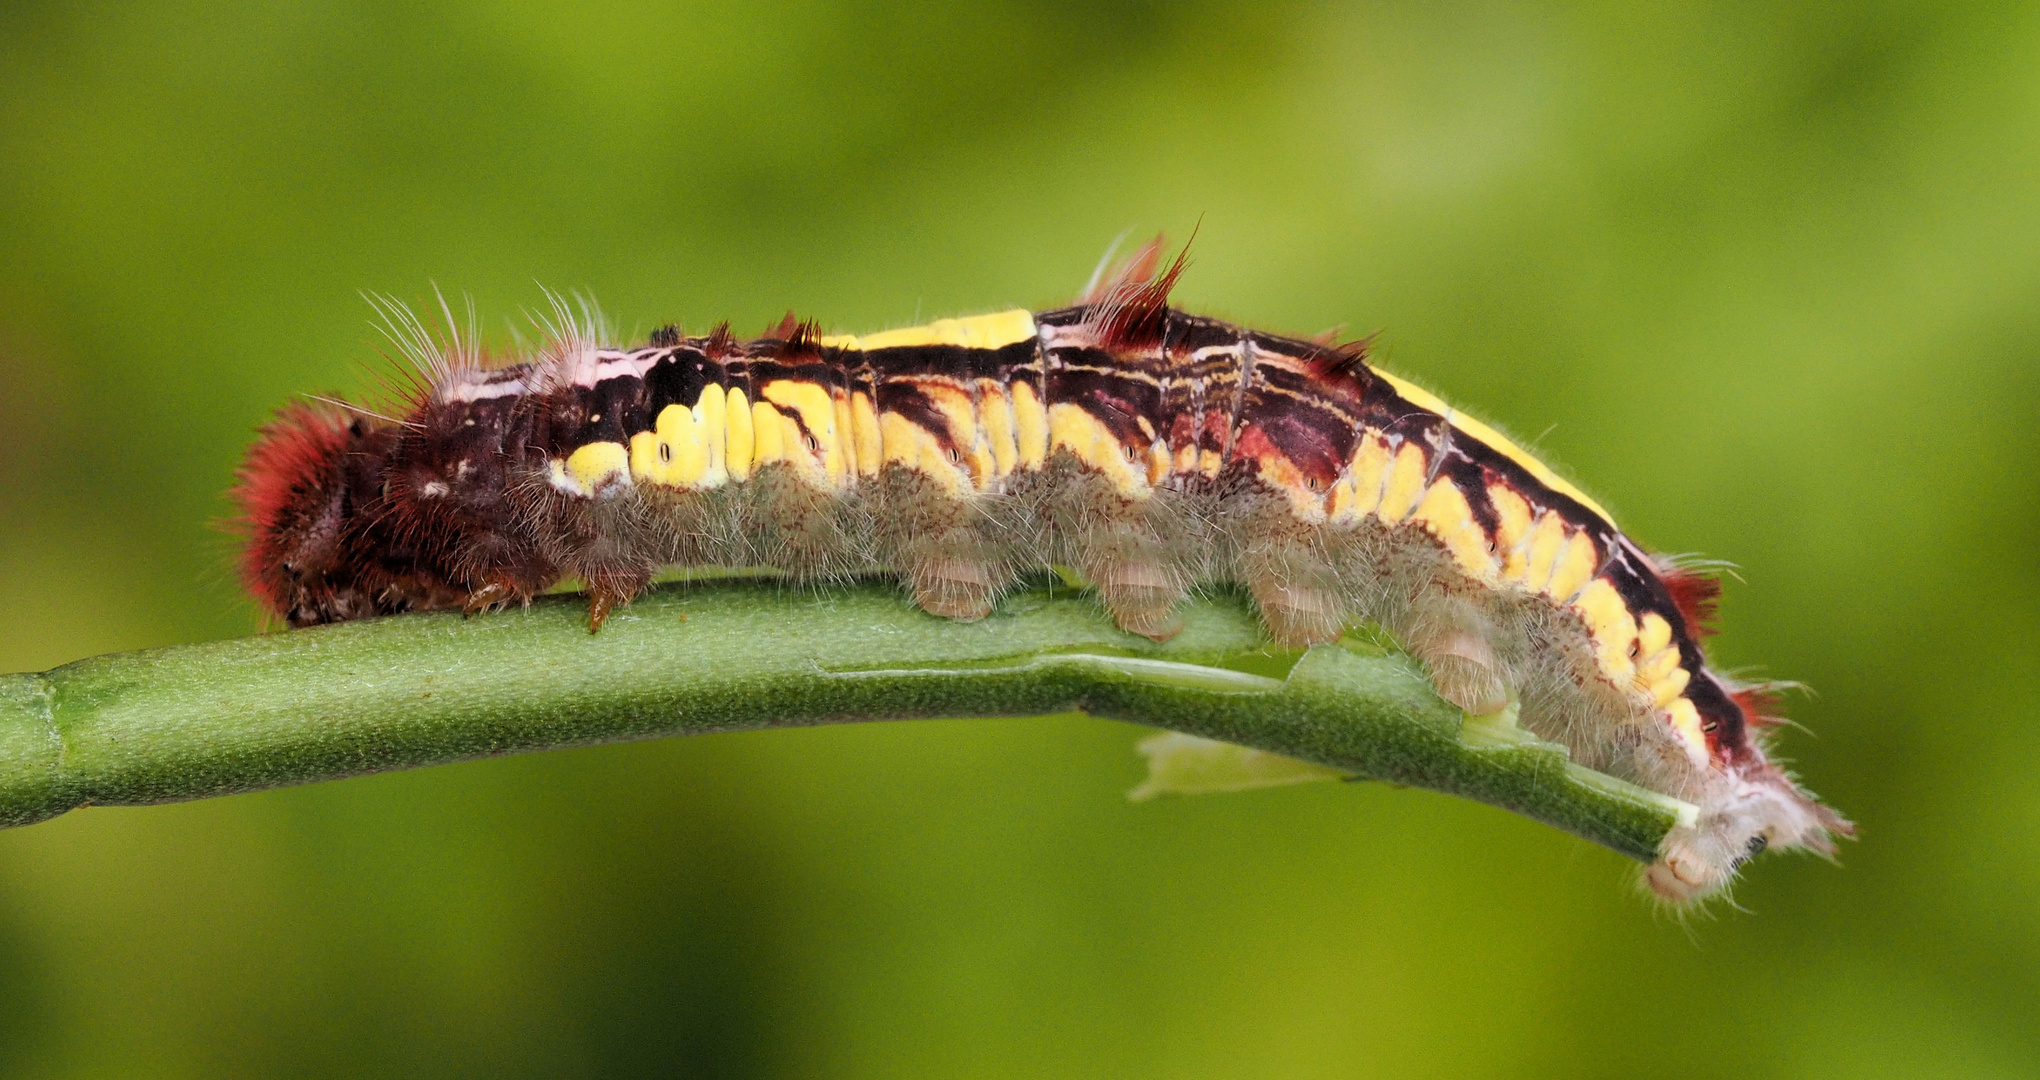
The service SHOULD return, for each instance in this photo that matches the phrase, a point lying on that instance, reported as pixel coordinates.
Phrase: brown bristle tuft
(1344, 361)
(721, 343)
(804, 342)
(1133, 308)
(785, 329)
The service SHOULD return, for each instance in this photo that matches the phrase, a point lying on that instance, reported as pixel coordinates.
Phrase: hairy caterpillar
(1147, 449)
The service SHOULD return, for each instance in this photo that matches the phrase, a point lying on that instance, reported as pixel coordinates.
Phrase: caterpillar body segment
(1148, 449)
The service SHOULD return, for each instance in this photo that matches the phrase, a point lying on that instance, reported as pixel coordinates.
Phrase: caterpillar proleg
(1147, 449)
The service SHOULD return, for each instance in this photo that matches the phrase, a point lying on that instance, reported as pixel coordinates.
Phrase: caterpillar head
(308, 492)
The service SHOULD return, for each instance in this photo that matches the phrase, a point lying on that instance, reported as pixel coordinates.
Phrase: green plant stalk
(194, 721)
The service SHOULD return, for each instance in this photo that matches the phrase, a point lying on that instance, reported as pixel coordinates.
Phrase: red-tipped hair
(804, 342)
(1697, 596)
(1759, 705)
(295, 461)
(1133, 304)
(720, 344)
(1343, 361)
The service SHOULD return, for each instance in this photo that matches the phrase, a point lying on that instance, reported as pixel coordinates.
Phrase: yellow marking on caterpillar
(995, 425)
(1158, 469)
(825, 460)
(1512, 529)
(846, 436)
(1405, 483)
(912, 446)
(1573, 568)
(958, 409)
(1684, 719)
(901, 439)
(645, 466)
(1672, 685)
(1339, 503)
(1495, 440)
(590, 467)
(768, 435)
(1030, 425)
(1156, 455)
(1358, 492)
(864, 433)
(1612, 628)
(994, 331)
(740, 441)
(905, 442)
(711, 412)
(1074, 428)
(671, 454)
(684, 449)
(1306, 504)
(1445, 512)
(1659, 674)
(1541, 551)
(1653, 633)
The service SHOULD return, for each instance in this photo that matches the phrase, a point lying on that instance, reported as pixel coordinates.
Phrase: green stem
(195, 721)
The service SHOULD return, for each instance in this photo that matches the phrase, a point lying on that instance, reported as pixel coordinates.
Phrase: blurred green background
(1765, 276)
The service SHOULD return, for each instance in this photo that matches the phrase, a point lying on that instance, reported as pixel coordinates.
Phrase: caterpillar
(1146, 449)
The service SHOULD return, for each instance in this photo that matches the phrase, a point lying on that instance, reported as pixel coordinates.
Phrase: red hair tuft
(1759, 705)
(296, 462)
(1697, 596)
(1133, 304)
(1345, 361)
(720, 344)
(804, 342)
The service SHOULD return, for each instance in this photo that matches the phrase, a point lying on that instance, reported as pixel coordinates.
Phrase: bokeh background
(1765, 276)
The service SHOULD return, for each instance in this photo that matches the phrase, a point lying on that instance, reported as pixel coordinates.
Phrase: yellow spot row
(1539, 552)
(1395, 485)
(831, 438)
